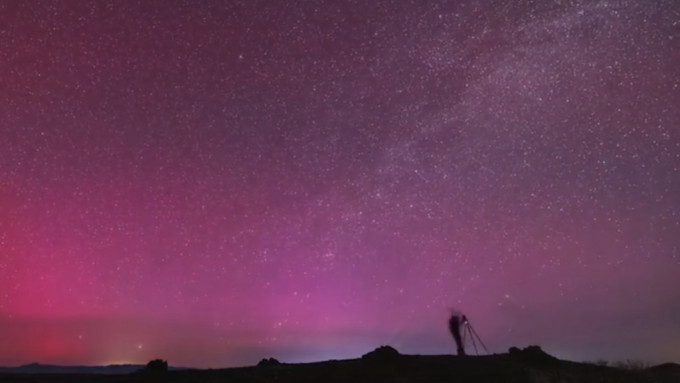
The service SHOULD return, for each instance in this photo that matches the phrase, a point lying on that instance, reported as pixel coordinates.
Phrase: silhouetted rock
(268, 362)
(156, 366)
(532, 354)
(382, 354)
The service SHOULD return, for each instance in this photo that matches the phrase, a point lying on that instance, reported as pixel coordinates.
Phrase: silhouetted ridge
(385, 364)
(666, 368)
(37, 368)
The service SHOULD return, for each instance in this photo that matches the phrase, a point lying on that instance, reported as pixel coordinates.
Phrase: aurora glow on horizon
(214, 182)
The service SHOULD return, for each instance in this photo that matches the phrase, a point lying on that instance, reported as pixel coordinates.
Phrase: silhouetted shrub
(156, 366)
(268, 362)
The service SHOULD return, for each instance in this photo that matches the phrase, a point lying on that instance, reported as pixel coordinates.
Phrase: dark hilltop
(385, 364)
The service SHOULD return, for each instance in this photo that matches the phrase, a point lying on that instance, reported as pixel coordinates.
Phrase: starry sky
(214, 182)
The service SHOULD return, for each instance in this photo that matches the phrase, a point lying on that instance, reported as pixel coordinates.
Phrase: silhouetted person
(455, 323)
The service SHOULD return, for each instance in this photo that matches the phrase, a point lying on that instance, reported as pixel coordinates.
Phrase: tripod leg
(474, 344)
(465, 336)
(474, 334)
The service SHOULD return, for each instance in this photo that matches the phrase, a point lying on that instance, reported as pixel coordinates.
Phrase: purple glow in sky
(214, 182)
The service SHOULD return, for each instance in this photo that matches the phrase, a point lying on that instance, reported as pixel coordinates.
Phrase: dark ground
(528, 365)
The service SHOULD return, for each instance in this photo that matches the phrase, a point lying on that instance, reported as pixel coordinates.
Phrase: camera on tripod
(469, 335)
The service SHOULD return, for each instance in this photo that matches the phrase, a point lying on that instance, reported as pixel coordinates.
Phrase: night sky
(214, 182)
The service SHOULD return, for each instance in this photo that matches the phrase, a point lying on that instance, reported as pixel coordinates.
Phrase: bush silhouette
(156, 366)
(268, 362)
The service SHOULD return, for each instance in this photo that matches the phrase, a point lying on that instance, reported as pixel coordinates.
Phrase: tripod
(469, 332)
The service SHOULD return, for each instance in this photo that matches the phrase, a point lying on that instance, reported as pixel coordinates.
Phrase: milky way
(216, 182)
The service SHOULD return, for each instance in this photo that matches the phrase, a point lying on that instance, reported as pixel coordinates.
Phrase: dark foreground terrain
(386, 365)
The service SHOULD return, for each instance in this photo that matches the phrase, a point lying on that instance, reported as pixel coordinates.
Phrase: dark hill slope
(528, 365)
